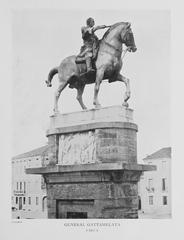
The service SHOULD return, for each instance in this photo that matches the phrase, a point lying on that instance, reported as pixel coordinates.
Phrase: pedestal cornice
(92, 126)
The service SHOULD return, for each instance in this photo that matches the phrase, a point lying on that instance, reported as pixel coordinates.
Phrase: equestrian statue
(98, 60)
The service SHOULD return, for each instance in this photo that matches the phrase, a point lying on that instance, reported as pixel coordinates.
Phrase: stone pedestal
(93, 170)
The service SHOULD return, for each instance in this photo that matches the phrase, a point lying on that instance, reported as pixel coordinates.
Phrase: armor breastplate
(89, 37)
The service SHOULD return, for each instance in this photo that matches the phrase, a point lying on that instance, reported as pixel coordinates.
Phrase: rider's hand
(90, 30)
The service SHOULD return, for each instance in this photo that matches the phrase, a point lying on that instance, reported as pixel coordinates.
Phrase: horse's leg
(127, 92)
(57, 94)
(79, 96)
(99, 77)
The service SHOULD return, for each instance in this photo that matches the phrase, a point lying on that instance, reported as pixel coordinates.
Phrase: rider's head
(90, 22)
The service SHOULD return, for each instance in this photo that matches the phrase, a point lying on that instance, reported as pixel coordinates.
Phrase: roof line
(161, 153)
(35, 152)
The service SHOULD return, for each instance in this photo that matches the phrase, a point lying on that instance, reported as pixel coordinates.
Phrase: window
(37, 200)
(16, 200)
(163, 184)
(150, 183)
(163, 165)
(43, 185)
(44, 203)
(150, 200)
(24, 200)
(20, 203)
(24, 186)
(164, 200)
(20, 185)
(29, 200)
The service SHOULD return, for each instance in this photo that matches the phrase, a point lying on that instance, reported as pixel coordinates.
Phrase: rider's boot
(89, 65)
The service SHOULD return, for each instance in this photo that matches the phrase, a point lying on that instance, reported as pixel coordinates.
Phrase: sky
(42, 38)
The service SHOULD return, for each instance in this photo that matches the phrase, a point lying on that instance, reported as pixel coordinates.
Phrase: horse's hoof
(56, 112)
(98, 106)
(48, 84)
(125, 104)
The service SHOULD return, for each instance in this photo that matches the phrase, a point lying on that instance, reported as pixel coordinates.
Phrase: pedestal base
(107, 190)
(92, 170)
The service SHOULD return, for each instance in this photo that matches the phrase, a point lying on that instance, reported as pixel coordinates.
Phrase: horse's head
(127, 37)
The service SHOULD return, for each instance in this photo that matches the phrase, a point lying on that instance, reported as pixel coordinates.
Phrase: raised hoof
(48, 84)
(125, 104)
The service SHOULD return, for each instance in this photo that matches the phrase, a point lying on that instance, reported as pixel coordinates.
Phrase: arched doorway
(44, 203)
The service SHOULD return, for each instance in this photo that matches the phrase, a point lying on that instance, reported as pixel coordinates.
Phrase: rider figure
(90, 41)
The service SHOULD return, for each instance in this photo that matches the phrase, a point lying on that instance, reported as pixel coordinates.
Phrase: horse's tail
(52, 72)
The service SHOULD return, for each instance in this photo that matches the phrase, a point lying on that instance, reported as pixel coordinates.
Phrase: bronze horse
(108, 66)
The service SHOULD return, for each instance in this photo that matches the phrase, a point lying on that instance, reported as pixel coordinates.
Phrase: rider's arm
(100, 27)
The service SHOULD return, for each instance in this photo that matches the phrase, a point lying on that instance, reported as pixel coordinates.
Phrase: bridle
(125, 51)
(117, 49)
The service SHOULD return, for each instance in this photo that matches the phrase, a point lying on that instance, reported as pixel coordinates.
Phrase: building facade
(29, 198)
(155, 186)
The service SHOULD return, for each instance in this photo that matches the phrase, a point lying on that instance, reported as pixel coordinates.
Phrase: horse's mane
(111, 28)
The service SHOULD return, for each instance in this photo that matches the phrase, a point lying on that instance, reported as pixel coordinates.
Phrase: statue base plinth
(93, 170)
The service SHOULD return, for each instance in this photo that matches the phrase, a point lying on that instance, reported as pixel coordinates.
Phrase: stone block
(91, 147)
(128, 213)
(53, 142)
(96, 135)
(107, 114)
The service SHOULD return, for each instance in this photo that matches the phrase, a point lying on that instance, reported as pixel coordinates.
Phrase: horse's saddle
(81, 63)
(94, 52)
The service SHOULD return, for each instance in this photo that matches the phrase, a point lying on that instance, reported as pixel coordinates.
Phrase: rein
(125, 51)
(117, 49)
